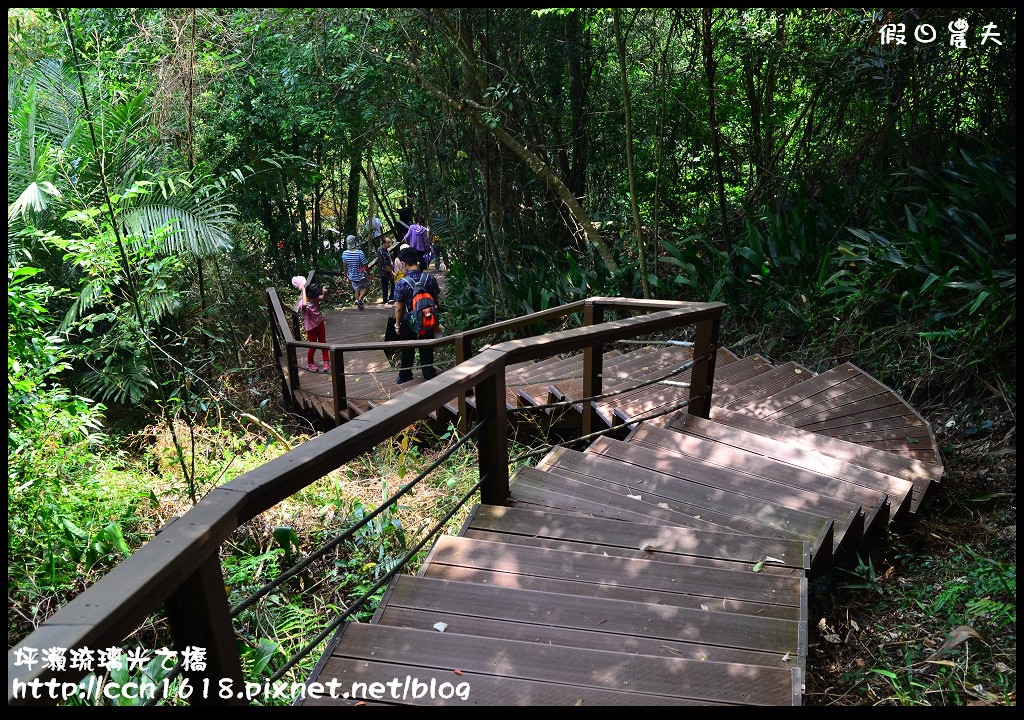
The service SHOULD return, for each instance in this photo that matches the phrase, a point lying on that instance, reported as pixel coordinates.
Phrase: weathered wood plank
(671, 474)
(728, 509)
(899, 490)
(665, 541)
(598, 614)
(763, 385)
(872, 498)
(548, 635)
(617, 572)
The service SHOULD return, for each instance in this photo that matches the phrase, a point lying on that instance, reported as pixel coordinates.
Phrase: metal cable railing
(612, 393)
(326, 632)
(598, 433)
(338, 539)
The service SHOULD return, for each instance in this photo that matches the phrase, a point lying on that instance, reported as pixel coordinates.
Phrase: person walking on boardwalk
(374, 229)
(385, 270)
(398, 268)
(418, 238)
(404, 218)
(357, 267)
(313, 322)
(404, 292)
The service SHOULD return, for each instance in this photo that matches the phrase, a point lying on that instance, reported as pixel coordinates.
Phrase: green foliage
(62, 521)
(963, 598)
(547, 280)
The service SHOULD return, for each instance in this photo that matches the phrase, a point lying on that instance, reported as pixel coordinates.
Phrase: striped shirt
(354, 260)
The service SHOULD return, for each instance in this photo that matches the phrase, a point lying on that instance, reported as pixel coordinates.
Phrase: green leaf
(977, 302)
(112, 532)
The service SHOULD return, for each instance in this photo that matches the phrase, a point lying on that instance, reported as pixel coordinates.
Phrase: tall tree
(638, 228)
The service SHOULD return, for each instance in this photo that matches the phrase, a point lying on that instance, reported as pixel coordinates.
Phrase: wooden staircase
(667, 564)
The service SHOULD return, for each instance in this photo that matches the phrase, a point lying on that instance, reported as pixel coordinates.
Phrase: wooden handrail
(179, 568)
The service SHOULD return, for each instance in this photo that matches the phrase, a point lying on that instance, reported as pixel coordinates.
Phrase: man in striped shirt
(357, 268)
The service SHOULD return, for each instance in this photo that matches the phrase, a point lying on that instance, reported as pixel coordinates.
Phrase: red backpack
(421, 316)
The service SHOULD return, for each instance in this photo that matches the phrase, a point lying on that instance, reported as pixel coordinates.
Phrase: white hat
(351, 241)
(404, 246)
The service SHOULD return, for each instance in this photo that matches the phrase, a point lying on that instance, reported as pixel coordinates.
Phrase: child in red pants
(313, 322)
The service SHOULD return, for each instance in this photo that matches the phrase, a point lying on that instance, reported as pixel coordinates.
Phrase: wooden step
(618, 368)
(556, 663)
(846, 402)
(562, 491)
(631, 397)
(755, 485)
(538, 393)
(498, 672)
(899, 490)
(661, 399)
(761, 386)
(585, 574)
(799, 396)
(567, 493)
(874, 500)
(728, 509)
(567, 637)
(921, 474)
(635, 540)
(545, 368)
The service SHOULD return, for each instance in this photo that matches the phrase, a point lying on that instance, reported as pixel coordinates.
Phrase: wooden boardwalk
(667, 564)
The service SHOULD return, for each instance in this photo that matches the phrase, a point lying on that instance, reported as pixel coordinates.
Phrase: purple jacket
(418, 238)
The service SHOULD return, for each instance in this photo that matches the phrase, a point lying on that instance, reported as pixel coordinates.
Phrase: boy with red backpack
(416, 314)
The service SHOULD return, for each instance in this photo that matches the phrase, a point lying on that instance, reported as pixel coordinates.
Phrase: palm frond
(90, 294)
(198, 226)
(120, 378)
(32, 200)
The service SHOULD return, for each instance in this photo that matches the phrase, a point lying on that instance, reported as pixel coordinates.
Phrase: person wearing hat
(357, 268)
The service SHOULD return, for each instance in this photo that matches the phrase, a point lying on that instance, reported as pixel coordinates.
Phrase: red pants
(317, 334)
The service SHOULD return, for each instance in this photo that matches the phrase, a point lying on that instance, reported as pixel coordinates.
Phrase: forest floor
(933, 621)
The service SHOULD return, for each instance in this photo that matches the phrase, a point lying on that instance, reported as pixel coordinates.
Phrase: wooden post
(277, 337)
(593, 367)
(463, 352)
(702, 376)
(493, 442)
(200, 618)
(338, 384)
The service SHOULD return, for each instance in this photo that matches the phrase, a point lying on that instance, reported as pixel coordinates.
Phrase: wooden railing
(179, 570)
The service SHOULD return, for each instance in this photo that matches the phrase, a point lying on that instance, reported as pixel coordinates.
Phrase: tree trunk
(638, 228)
(490, 206)
(716, 141)
(662, 130)
(474, 111)
(352, 211)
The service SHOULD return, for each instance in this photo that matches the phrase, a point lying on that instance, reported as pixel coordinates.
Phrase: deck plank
(669, 473)
(874, 500)
(734, 511)
(763, 385)
(580, 572)
(899, 490)
(524, 673)
(665, 541)
(622, 617)
(548, 635)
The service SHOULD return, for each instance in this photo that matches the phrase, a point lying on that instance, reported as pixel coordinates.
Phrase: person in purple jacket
(418, 238)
